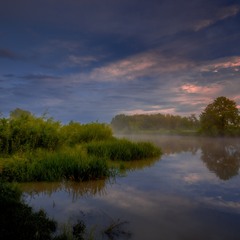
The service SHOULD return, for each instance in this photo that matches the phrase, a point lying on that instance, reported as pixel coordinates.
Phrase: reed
(42, 165)
(122, 149)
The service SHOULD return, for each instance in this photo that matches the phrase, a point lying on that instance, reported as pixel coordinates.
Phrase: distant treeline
(219, 118)
(155, 122)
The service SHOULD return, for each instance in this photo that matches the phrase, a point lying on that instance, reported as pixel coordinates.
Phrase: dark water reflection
(191, 193)
(221, 155)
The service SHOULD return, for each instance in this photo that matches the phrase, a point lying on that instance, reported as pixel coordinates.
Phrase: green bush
(23, 132)
(75, 133)
(27, 132)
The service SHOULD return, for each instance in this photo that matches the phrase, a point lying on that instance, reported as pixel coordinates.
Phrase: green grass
(89, 161)
(122, 149)
(42, 165)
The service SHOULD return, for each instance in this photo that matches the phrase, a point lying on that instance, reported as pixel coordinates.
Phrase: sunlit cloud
(126, 69)
(191, 88)
(216, 65)
(150, 63)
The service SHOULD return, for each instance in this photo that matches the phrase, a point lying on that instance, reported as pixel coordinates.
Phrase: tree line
(219, 118)
(154, 122)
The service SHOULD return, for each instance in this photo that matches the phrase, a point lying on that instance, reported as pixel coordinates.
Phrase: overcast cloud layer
(88, 60)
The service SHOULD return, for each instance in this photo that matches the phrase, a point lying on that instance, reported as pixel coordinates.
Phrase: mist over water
(191, 192)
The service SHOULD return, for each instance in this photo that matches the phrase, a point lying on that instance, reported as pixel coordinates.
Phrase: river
(191, 193)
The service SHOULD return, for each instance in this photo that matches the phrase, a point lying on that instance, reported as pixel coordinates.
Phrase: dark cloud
(39, 77)
(8, 54)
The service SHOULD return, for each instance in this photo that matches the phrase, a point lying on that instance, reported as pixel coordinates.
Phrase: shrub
(75, 133)
(27, 132)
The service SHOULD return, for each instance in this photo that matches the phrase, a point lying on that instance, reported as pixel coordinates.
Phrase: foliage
(23, 131)
(123, 149)
(41, 149)
(18, 221)
(18, 113)
(154, 122)
(220, 118)
(75, 133)
(44, 165)
(27, 132)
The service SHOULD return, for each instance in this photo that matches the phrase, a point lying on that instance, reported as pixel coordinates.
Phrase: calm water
(191, 193)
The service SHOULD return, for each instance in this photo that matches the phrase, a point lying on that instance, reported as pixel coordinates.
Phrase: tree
(221, 117)
(18, 112)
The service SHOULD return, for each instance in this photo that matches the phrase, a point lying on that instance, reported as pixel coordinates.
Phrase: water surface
(191, 192)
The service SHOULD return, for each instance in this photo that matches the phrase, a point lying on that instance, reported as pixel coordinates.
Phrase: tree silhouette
(220, 117)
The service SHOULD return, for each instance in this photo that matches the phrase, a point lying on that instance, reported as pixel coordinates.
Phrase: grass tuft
(122, 149)
(42, 165)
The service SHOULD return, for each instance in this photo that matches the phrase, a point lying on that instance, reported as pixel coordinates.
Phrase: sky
(89, 60)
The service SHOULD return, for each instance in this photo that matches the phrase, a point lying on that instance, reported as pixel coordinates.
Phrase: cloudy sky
(88, 60)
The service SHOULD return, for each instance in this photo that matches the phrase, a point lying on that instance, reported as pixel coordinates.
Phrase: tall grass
(75, 133)
(42, 165)
(122, 149)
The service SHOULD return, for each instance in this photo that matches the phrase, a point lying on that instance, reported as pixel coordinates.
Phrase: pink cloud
(145, 64)
(141, 111)
(191, 88)
(232, 62)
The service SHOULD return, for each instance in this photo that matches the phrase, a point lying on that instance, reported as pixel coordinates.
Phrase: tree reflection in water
(222, 156)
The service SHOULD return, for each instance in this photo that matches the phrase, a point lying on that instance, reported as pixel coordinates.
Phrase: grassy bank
(79, 163)
(67, 164)
(41, 149)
